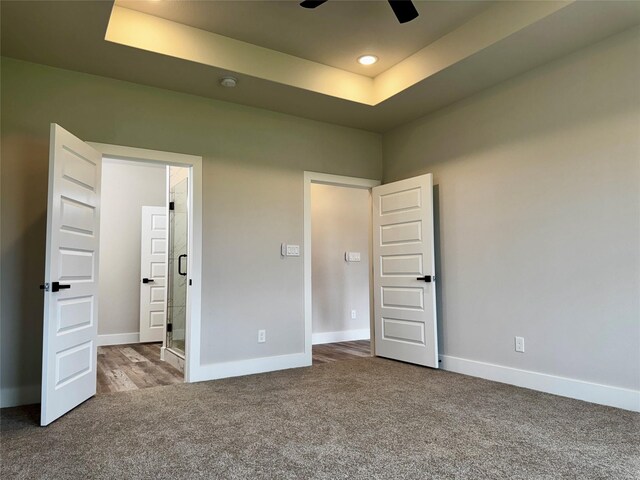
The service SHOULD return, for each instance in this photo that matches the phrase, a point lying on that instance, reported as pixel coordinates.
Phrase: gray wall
(340, 218)
(126, 187)
(538, 197)
(538, 190)
(253, 163)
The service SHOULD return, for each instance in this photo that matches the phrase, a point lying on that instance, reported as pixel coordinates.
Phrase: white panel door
(403, 268)
(153, 272)
(71, 272)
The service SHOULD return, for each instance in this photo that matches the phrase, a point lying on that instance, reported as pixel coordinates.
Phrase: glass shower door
(178, 259)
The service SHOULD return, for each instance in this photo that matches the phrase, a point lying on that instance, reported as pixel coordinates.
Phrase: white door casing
(70, 313)
(403, 252)
(153, 269)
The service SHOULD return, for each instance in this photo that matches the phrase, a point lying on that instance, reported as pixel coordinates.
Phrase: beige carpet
(358, 419)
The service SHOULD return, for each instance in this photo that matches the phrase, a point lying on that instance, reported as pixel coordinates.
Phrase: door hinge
(172, 206)
(169, 327)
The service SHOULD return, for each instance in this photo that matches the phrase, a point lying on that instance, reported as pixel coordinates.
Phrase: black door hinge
(172, 205)
(169, 327)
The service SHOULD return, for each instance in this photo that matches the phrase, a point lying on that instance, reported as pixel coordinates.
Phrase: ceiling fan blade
(312, 3)
(404, 9)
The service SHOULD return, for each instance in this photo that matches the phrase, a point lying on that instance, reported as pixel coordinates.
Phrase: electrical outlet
(353, 314)
(520, 344)
(262, 336)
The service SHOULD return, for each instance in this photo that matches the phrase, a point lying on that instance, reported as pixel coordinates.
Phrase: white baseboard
(15, 396)
(566, 387)
(342, 336)
(215, 371)
(118, 339)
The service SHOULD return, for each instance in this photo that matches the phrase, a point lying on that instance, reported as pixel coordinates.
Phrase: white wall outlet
(262, 336)
(353, 314)
(520, 344)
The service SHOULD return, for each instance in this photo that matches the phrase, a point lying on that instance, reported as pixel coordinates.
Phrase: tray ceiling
(467, 49)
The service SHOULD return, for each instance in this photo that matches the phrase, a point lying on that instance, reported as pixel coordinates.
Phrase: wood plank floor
(336, 352)
(132, 367)
(136, 366)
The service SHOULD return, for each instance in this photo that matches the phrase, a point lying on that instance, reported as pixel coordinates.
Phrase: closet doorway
(338, 269)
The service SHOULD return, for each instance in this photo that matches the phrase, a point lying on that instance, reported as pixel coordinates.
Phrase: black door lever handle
(56, 286)
(426, 278)
(148, 280)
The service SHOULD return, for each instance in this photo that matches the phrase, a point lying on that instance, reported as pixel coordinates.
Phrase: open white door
(71, 273)
(403, 268)
(153, 270)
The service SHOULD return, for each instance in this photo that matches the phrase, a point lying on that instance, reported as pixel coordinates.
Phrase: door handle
(56, 286)
(427, 278)
(148, 280)
(180, 257)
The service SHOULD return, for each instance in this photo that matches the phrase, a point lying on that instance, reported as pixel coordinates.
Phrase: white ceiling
(334, 34)
(71, 35)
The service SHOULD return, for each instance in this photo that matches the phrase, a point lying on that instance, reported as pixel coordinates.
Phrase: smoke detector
(228, 82)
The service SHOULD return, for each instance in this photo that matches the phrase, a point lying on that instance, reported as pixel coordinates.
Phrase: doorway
(189, 175)
(338, 269)
(403, 317)
(143, 261)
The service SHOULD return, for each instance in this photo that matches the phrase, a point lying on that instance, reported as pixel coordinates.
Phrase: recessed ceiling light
(367, 59)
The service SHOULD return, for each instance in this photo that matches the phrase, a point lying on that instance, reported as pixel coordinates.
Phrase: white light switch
(290, 250)
(352, 256)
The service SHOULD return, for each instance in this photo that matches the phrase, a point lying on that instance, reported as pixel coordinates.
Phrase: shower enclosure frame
(170, 352)
(193, 371)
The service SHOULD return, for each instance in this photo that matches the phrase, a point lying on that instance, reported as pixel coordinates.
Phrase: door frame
(338, 181)
(194, 295)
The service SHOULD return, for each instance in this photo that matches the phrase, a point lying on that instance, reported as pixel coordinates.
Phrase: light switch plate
(289, 250)
(352, 256)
